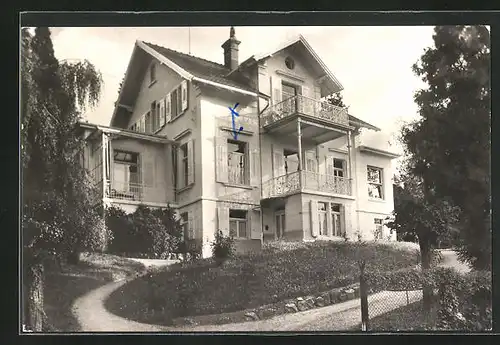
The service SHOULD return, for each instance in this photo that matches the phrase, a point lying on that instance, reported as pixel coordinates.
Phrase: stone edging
(295, 305)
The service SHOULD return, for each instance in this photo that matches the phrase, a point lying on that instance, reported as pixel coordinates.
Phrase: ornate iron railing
(290, 183)
(140, 192)
(306, 106)
(281, 185)
(326, 183)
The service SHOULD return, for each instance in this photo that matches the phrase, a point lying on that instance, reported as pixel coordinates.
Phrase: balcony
(139, 192)
(307, 108)
(291, 183)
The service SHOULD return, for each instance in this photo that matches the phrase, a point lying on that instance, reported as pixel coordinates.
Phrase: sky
(372, 63)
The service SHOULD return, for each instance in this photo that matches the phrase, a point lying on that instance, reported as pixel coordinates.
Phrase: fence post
(363, 292)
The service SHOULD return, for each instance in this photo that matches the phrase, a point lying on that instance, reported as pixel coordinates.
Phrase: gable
(325, 78)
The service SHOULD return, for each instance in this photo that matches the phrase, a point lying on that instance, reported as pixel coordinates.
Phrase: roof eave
(129, 67)
(379, 152)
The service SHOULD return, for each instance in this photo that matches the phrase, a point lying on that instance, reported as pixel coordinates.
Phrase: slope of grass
(64, 284)
(280, 271)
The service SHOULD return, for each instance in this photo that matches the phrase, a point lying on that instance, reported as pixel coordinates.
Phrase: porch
(129, 167)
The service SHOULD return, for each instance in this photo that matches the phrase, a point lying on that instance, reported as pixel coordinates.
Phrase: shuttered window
(185, 164)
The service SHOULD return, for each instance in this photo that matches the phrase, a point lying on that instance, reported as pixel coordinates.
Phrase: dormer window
(152, 73)
(290, 64)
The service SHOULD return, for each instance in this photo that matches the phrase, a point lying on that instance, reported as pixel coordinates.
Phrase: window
(322, 206)
(311, 161)
(154, 124)
(290, 64)
(126, 175)
(288, 93)
(238, 223)
(152, 73)
(291, 161)
(375, 183)
(378, 228)
(148, 122)
(337, 226)
(338, 167)
(184, 165)
(176, 102)
(237, 162)
(185, 226)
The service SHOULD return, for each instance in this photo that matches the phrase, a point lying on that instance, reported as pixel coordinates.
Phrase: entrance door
(280, 224)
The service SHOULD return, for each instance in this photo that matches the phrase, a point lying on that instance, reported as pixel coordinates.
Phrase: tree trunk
(33, 298)
(426, 253)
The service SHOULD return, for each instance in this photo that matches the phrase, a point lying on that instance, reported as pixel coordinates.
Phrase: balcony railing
(311, 181)
(140, 192)
(306, 106)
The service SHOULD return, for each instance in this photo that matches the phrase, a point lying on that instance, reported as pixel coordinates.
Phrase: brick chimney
(231, 50)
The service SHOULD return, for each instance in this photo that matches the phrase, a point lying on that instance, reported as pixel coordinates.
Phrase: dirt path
(93, 316)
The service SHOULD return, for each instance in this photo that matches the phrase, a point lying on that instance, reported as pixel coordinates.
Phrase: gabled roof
(187, 66)
(200, 68)
(334, 84)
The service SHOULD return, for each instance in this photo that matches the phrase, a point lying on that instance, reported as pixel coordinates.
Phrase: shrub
(145, 232)
(222, 247)
(465, 301)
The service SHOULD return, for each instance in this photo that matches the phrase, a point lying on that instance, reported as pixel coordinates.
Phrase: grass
(281, 271)
(410, 317)
(64, 284)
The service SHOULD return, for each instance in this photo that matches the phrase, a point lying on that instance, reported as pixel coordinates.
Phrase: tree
(420, 214)
(336, 99)
(450, 144)
(59, 217)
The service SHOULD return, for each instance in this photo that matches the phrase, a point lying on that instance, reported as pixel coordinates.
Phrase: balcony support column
(299, 143)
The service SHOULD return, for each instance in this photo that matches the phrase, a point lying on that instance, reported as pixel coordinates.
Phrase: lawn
(410, 317)
(279, 272)
(63, 285)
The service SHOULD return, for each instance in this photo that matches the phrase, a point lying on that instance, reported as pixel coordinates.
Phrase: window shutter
(223, 220)
(168, 108)
(162, 113)
(184, 94)
(255, 233)
(276, 90)
(317, 92)
(313, 207)
(342, 219)
(190, 225)
(254, 165)
(174, 166)
(143, 123)
(329, 165)
(180, 167)
(221, 163)
(329, 222)
(306, 105)
(190, 147)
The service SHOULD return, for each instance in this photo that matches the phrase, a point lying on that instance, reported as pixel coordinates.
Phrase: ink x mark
(233, 114)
